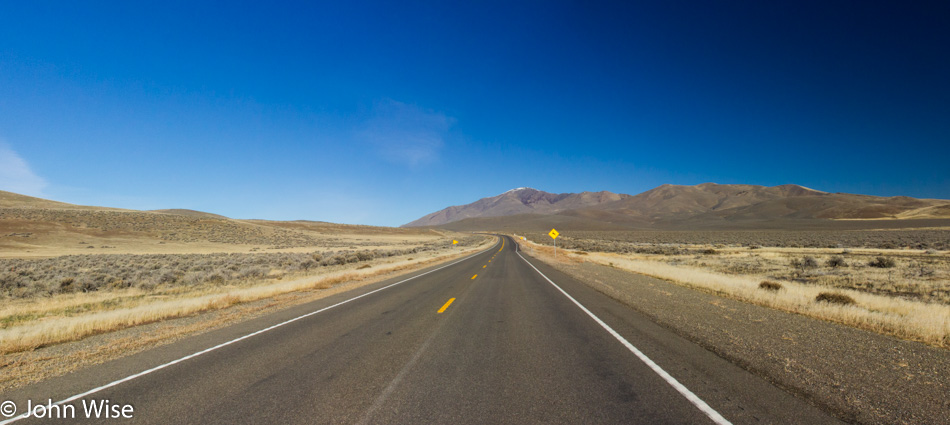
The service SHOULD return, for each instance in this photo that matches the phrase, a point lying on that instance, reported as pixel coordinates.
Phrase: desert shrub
(117, 283)
(805, 263)
(882, 262)
(835, 298)
(167, 277)
(364, 266)
(66, 284)
(45, 277)
(215, 278)
(252, 272)
(8, 280)
(28, 292)
(90, 283)
(147, 285)
(710, 251)
(307, 265)
(922, 269)
(626, 241)
(836, 261)
(770, 286)
(930, 252)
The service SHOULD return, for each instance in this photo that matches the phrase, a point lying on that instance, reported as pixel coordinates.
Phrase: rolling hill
(523, 200)
(703, 206)
(35, 227)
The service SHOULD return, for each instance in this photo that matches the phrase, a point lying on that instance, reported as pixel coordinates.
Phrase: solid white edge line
(693, 398)
(224, 344)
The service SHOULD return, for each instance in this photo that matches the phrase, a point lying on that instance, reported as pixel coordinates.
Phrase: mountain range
(707, 205)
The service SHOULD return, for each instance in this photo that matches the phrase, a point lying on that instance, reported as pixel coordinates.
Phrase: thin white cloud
(405, 134)
(16, 175)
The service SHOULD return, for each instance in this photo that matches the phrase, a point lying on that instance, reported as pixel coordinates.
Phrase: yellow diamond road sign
(553, 233)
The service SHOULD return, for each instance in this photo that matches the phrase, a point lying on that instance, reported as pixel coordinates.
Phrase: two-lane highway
(493, 338)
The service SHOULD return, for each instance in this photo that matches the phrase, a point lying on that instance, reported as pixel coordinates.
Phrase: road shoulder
(858, 375)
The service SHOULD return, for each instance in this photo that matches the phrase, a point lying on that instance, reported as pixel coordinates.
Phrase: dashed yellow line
(486, 265)
(446, 305)
(473, 277)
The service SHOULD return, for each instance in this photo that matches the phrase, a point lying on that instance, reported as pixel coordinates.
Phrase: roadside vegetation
(910, 273)
(24, 279)
(902, 292)
(51, 300)
(631, 241)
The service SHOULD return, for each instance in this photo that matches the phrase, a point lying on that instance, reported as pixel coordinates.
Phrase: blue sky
(381, 112)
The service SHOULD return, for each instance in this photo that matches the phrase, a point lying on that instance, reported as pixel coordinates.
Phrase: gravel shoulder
(859, 376)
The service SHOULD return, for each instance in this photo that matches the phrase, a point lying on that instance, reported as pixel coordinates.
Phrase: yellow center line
(486, 265)
(446, 305)
(473, 277)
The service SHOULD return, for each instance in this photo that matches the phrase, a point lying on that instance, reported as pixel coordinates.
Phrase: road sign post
(553, 234)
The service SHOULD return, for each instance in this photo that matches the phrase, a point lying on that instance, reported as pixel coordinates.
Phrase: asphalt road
(511, 347)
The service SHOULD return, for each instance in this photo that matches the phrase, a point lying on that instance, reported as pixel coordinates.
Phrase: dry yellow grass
(915, 273)
(909, 319)
(46, 321)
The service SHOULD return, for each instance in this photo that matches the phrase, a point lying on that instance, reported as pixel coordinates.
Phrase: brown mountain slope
(189, 213)
(15, 200)
(671, 202)
(567, 222)
(522, 200)
(707, 205)
(35, 227)
(534, 222)
(833, 206)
